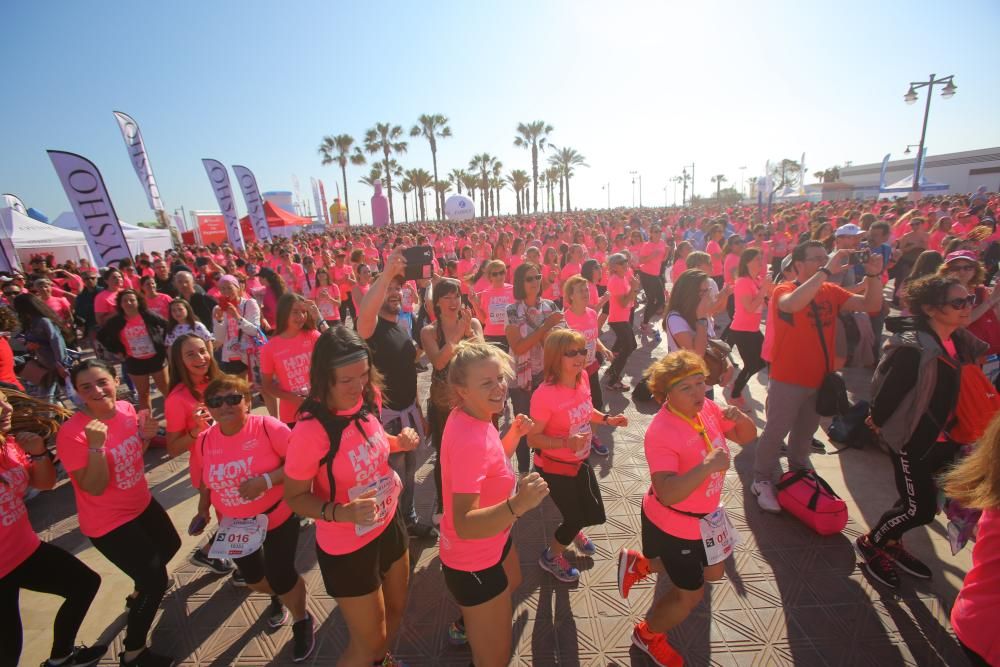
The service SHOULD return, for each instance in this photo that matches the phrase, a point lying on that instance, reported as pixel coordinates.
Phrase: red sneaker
(632, 567)
(655, 645)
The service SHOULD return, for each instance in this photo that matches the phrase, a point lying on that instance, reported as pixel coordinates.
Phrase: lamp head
(949, 90)
(911, 96)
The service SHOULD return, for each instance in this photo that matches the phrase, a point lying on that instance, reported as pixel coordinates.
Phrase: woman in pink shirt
(686, 450)
(586, 321)
(482, 500)
(156, 302)
(491, 304)
(102, 449)
(106, 300)
(563, 414)
(284, 361)
(27, 562)
(337, 472)
(750, 294)
(327, 297)
(714, 250)
(238, 466)
(975, 485)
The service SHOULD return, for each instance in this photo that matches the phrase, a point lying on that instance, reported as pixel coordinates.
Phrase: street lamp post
(635, 175)
(361, 217)
(607, 188)
(743, 171)
(911, 96)
(692, 178)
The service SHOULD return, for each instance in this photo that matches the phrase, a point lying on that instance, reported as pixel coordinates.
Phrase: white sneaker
(766, 497)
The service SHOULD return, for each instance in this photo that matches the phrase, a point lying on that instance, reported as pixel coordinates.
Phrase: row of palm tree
(484, 173)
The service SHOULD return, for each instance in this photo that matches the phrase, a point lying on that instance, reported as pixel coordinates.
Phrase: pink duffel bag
(806, 496)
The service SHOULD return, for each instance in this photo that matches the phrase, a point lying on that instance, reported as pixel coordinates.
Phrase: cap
(967, 255)
(850, 229)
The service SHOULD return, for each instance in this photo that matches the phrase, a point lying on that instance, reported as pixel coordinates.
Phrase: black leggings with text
(749, 344)
(578, 500)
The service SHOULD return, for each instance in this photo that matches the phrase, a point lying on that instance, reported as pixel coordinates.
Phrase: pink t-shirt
(179, 407)
(973, 617)
(105, 301)
(160, 304)
(289, 359)
(618, 286)
(586, 324)
(671, 445)
(472, 461)
(60, 306)
(494, 301)
(676, 269)
(654, 252)
(551, 290)
(362, 461)
(127, 494)
(327, 308)
(729, 266)
(743, 319)
(714, 249)
(223, 462)
(565, 412)
(569, 270)
(16, 534)
(135, 338)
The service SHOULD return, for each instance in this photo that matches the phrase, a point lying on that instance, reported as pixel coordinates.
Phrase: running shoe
(818, 446)
(656, 646)
(456, 633)
(421, 531)
(877, 562)
(390, 661)
(146, 659)
(906, 561)
(766, 497)
(303, 639)
(633, 567)
(584, 544)
(276, 613)
(237, 579)
(618, 385)
(558, 567)
(82, 656)
(199, 558)
(598, 447)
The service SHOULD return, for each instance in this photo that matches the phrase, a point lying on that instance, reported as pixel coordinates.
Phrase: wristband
(96, 450)
(827, 271)
(873, 275)
(605, 418)
(511, 510)
(322, 511)
(267, 480)
(39, 457)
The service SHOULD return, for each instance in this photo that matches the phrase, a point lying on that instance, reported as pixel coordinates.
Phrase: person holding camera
(235, 324)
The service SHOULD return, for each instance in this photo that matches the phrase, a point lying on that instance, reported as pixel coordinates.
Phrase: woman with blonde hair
(563, 414)
(686, 451)
(482, 500)
(491, 304)
(975, 484)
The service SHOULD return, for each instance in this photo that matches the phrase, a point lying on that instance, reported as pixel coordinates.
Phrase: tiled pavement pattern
(789, 597)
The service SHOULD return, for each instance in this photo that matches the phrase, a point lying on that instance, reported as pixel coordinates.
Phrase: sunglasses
(229, 399)
(497, 273)
(962, 302)
(531, 279)
(575, 353)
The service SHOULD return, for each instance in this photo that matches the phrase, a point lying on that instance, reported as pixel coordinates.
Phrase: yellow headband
(676, 382)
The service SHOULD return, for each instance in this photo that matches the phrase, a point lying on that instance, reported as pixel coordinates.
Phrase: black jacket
(110, 334)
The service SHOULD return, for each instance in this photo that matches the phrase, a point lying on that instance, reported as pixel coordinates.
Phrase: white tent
(140, 239)
(906, 185)
(30, 237)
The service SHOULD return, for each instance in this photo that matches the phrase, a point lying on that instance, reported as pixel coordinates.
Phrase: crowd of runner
(523, 325)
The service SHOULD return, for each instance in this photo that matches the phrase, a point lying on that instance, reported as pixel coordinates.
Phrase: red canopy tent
(276, 217)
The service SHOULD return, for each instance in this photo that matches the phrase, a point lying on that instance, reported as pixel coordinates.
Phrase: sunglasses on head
(575, 353)
(962, 302)
(229, 399)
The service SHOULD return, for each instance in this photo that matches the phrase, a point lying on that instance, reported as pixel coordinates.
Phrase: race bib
(498, 312)
(718, 535)
(385, 500)
(237, 538)
(326, 309)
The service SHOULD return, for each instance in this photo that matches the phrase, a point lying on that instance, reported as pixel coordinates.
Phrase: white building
(961, 172)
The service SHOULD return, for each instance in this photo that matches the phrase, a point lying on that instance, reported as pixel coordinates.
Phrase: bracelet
(333, 512)
(39, 457)
(873, 275)
(322, 511)
(96, 450)
(605, 418)
(827, 271)
(267, 480)
(511, 509)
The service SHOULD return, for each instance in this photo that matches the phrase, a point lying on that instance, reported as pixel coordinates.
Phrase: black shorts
(472, 588)
(684, 560)
(361, 572)
(275, 560)
(146, 366)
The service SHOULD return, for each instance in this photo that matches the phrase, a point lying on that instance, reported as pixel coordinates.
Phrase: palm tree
(377, 173)
(551, 177)
(456, 177)
(519, 180)
(533, 135)
(482, 166)
(384, 138)
(404, 188)
(441, 189)
(718, 179)
(338, 149)
(421, 180)
(471, 182)
(433, 127)
(564, 160)
(497, 183)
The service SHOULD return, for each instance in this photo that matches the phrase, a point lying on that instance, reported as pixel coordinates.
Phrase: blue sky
(632, 86)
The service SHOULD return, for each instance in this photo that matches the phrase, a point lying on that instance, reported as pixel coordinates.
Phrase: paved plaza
(789, 596)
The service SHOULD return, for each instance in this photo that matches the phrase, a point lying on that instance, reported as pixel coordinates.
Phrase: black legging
(578, 499)
(749, 344)
(436, 419)
(141, 549)
(596, 392)
(56, 572)
(624, 346)
(655, 299)
(347, 306)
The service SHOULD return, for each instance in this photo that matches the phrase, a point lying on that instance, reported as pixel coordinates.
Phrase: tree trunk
(406, 212)
(347, 208)
(561, 180)
(423, 207)
(568, 207)
(534, 172)
(388, 183)
(438, 197)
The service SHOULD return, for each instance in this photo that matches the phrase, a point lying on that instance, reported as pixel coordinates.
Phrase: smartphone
(419, 261)
(859, 257)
